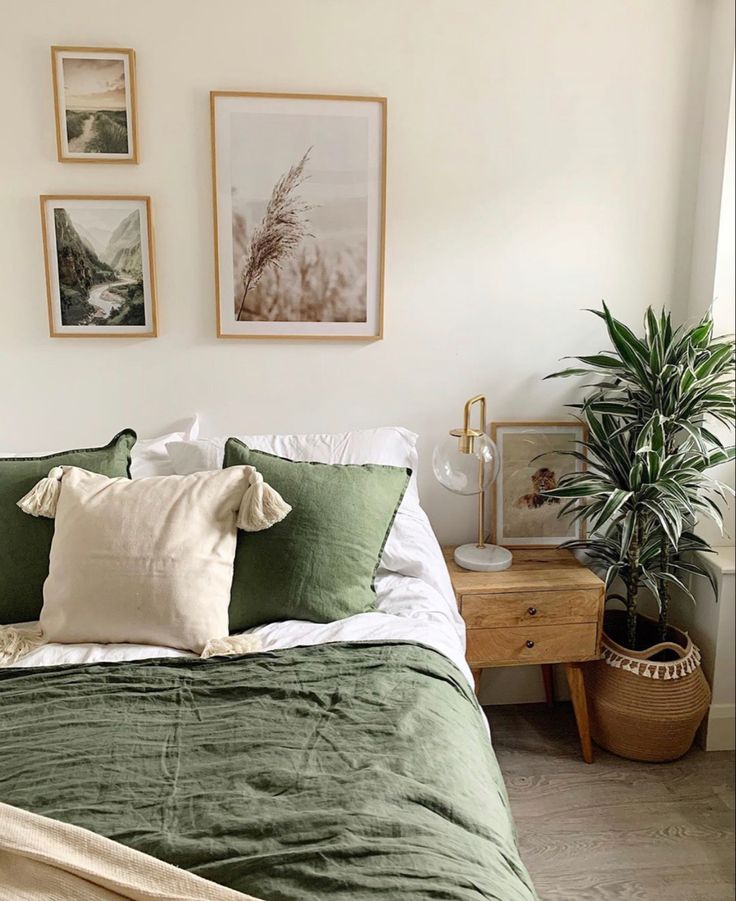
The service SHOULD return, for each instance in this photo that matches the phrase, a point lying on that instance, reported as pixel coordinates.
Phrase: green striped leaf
(612, 506)
(695, 434)
(721, 455)
(669, 524)
(581, 489)
(567, 373)
(696, 569)
(700, 336)
(601, 361)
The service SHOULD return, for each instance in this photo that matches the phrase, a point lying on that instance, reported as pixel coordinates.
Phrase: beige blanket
(44, 860)
(16, 643)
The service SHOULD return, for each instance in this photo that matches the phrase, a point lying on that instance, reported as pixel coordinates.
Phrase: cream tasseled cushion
(148, 561)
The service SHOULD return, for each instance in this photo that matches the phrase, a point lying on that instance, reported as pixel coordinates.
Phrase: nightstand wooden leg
(476, 679)
(549, 683)
(575, 680)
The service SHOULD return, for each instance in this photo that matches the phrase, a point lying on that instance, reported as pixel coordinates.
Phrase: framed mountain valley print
(100, 277)
(95, 104)
(299, 186)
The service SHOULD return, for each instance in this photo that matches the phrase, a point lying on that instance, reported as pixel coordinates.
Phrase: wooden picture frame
(99, 236)
(517, 507)
(328, 154)
(95, 104)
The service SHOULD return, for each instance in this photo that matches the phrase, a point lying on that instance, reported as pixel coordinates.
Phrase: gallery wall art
(95, 103)
(533, 457)
(299, 209)
(100, 277)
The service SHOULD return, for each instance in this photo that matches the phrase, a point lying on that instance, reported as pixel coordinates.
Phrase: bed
(348, 760)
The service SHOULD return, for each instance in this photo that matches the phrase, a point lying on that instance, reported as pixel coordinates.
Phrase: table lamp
(467, 463)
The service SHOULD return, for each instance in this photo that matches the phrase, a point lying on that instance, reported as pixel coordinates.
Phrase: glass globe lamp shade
(460, 470)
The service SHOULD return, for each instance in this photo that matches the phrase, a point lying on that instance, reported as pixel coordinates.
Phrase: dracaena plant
(650, 409)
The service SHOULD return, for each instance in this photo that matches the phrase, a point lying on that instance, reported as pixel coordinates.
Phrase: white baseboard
(720, 728)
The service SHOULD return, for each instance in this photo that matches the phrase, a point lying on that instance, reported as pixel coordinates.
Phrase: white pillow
(149, 456)
(390, 445)
(146, 561)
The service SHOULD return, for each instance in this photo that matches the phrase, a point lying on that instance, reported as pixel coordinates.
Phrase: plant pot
(644, 708)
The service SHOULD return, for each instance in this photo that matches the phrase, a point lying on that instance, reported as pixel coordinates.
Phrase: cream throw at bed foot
(45, 860)
(16, 643)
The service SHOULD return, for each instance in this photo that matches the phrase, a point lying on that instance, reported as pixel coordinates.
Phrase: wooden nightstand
(547, 608)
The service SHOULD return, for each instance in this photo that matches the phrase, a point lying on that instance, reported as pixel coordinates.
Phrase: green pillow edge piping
(79, 450)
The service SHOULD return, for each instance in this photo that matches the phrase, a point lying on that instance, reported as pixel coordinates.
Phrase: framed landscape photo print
(299, 183)
(100, 278)
(95, 104)
(522, 516)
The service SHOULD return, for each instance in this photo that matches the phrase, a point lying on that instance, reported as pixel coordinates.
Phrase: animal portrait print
(543, 479)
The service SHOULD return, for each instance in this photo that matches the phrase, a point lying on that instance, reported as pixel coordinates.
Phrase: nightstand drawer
(534, 644)
(521, 607)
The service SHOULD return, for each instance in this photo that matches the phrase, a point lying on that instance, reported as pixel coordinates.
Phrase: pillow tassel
(232, 644)
(262, 506)
(16, 643)
(42, 499)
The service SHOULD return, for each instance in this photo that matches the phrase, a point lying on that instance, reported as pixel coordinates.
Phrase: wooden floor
(614, 830)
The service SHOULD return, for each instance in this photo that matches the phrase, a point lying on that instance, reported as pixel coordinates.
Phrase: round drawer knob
(530, 643)
(532, 611)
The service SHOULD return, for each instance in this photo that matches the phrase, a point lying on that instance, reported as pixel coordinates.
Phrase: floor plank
(615, 830)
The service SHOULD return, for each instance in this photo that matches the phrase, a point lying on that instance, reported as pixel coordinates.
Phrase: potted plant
(649, 407)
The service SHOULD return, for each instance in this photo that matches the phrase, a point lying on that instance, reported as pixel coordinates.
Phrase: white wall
(724, 301)
(539, 155)
(535, 159)
(711, 624)
(711, 214)
(709, 141)
(712, 627)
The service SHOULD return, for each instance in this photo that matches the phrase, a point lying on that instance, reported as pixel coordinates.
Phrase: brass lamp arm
(467, 437)
(478, 399)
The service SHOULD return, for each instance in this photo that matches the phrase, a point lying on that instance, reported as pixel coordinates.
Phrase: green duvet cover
(343, 771)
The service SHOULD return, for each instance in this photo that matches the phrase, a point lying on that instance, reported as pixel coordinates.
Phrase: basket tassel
(261, 507)
(673, 670)
(42, 499)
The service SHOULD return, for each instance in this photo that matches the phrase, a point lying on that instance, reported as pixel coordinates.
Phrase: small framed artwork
(100, 278)
(299, 187)
(521, 515)
(95, 104)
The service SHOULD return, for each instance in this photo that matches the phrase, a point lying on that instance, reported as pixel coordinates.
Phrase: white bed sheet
(415, 602)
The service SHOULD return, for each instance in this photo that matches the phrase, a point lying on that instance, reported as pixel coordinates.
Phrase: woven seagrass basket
(646, 710)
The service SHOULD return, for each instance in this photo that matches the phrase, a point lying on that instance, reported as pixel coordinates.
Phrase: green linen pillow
(317, 564)
(25, 541)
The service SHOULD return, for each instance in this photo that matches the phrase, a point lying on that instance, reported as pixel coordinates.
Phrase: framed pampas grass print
(95, 104)
(533, 457)
(299, 185)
